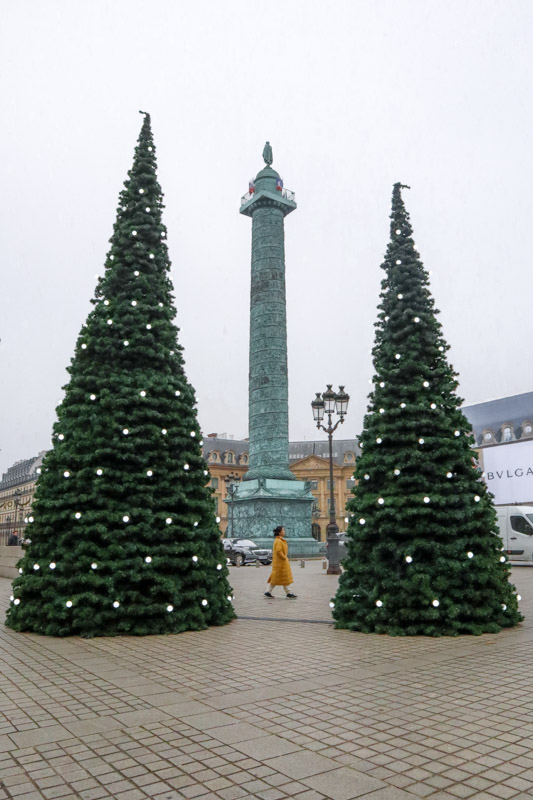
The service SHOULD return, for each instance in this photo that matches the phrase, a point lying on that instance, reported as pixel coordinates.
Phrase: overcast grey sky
(353, 95)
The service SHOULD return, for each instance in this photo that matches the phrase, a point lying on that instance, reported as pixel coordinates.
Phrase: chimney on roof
(212, 435)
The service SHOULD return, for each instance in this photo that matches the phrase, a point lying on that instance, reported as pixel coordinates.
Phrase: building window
(507, 434)
(229, 458)
(329, 505)
(527, 428)
(214, 457)
(314, 485)
(350, 484)
(244, 458)
(214, 483)
(488, 436)
(329, 484)
(349, 457)
(215, 504)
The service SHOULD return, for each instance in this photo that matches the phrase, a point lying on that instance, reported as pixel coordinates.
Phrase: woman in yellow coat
(281, 569)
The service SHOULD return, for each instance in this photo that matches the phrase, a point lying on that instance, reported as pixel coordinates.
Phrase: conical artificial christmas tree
(424, 556)
(123, 533)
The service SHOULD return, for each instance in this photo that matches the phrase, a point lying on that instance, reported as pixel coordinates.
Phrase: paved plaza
(276, 705)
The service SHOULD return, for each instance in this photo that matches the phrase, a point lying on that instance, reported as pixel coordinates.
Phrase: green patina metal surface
(269, 494)
(268, 398)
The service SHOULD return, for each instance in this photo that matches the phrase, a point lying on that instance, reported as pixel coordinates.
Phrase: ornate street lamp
(232, 481)
(330, 402)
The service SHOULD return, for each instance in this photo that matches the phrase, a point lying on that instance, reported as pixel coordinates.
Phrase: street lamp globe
(341, 401)
(318, 408)
(329, 398)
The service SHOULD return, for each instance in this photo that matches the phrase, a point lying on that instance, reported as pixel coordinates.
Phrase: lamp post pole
(330, 402)
(231, 482)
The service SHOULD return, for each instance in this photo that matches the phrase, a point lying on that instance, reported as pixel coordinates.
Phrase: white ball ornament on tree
(217, 520)
(400, 297)
(398, 261)
(396, 472)
(470, 554)
(449, 474)
(170, 608)
(417, 319)
(16, 602)
(109, 321)
(379, 603)
(381, 501)
(477, 498)
(362, 521)
(134, 233)
(409, 559)
(126, 343)
(457, 433)
(148, 327)
(436, 603)
(149, 473)
(398, 231)
(125, 518)
(136, 273)
(125, 431)
(219, 566)
(134, 302)
(397, 356)
(332, 605)
(379, 440)
(116, 604)
(186, 467)
(143, 393)
(106, 302)
(148, 559)
(204, 602)
(169, 520)
(78, 515)
(94, 565)
(426, 384)
(164, 431)
(195, 559)
(92, 397)
(421, 441)
(36, 567)
(69, 604)
(66, 474)
(427, 500)
(152, 256)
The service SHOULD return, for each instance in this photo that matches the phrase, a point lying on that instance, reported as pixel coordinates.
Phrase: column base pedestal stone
(262, 504)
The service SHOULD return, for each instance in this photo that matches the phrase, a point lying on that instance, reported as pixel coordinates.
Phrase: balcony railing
(285, 193)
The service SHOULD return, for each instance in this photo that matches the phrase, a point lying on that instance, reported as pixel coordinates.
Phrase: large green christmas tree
(424, 556)
(123, 532)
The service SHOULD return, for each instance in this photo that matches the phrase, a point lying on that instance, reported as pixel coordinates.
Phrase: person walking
(281, 574)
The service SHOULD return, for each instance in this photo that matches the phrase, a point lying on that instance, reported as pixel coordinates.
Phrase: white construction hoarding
(509, 472)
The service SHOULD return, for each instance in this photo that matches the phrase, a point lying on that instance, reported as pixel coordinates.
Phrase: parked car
(244, 551)
(515, 524)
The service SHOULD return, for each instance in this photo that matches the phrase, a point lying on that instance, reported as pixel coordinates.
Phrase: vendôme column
(269, 495)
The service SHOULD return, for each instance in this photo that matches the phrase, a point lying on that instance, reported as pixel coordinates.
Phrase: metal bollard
(302, 563)
(257, 564)
(324, 564)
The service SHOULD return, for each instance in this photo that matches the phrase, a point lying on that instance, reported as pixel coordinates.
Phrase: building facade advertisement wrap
(509, 472)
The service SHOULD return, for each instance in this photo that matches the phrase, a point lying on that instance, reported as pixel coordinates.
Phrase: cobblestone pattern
(269, 709)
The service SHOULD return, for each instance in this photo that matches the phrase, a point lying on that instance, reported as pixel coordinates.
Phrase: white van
(516, 529)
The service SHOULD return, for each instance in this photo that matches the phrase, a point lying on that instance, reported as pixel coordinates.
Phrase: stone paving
(276, 705)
